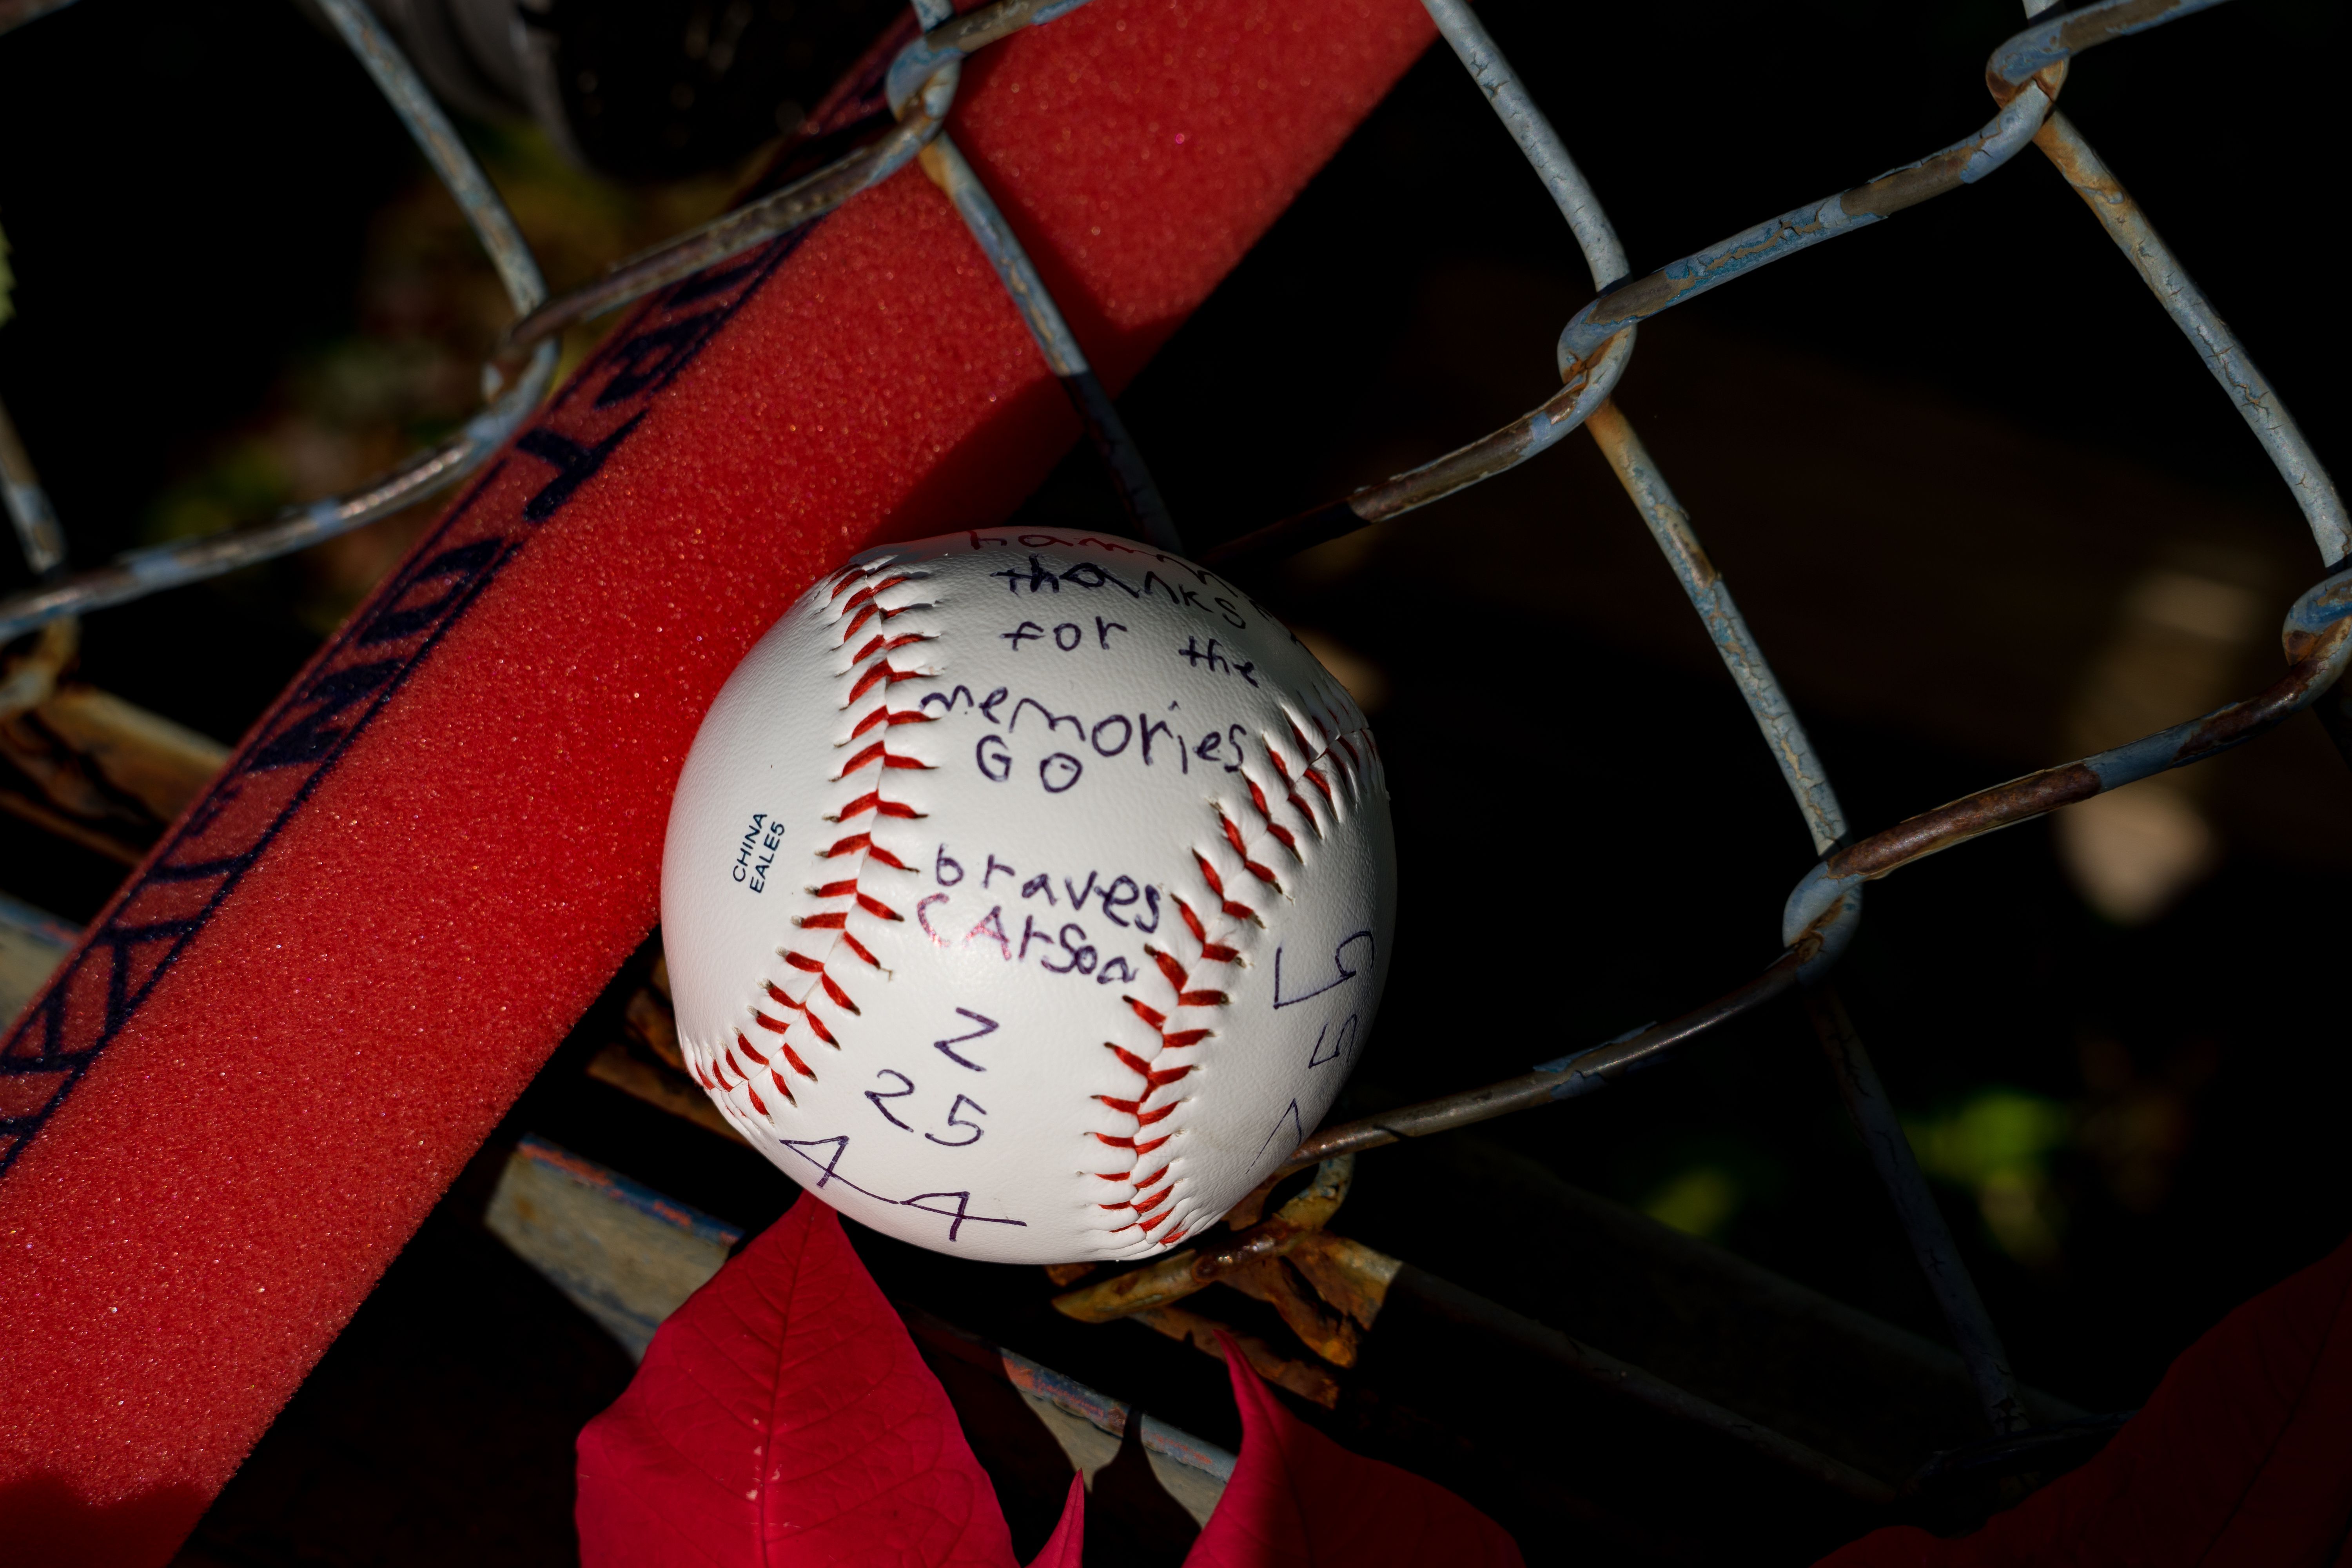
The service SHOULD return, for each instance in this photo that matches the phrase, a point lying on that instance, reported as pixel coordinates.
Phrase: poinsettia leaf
(1061, 1550)
(1297, 1498)
(783, 1418)
(2240, 1456)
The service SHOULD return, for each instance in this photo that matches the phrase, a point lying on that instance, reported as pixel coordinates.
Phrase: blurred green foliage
(1998, 1143)
(1700, 1201)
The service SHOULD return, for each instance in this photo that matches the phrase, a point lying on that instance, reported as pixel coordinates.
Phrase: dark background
(1931, 457)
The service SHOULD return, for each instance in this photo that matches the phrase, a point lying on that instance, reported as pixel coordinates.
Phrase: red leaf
(1299, 1499)
(782, 1418)
(1062, 1547)
(2241, 1456)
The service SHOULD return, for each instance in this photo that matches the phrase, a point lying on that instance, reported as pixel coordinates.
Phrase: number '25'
(970, 1130)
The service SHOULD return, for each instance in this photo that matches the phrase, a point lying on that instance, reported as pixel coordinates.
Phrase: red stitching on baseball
(1240, 911)
(748, 1049)
(881, 674)
(874, 802)
(853, 613)
(877, 752)
(885, 716)
(863, 594)
(1146, 1195)
(1143, 1148)
(1138, 1065)
(884, 644)
(1301, 807)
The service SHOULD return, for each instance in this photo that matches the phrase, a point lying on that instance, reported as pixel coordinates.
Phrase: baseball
(1027, 896)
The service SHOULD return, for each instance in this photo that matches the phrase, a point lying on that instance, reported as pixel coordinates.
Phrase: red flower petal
(1061, 1549)
(1297, 1498)
(782, 1418)
(2240, 1456)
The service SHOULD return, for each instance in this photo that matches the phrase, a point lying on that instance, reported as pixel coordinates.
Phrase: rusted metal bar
(138, 573)
(17, 13)
(1882, 1135)
(1500, 1324)
(2024, 74)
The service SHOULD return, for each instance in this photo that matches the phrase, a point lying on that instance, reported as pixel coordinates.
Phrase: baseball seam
(1183, 1025)
(871, 670)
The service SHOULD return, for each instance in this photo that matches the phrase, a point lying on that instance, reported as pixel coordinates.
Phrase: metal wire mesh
(2025, 77)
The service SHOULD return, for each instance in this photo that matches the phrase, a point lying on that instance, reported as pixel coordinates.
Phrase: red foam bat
(293, 1027)
(783, 1418)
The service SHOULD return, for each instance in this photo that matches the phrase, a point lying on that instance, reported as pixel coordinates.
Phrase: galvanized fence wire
(509, 398)
(2025, 76)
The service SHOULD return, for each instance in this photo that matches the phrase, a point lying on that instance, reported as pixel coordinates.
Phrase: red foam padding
(300, 1018)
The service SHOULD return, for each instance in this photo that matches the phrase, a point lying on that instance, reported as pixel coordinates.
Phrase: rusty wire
(2025, 76)
(1821, 914)
(510, 399)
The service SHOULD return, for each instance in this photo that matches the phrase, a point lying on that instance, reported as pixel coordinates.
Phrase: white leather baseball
(1028, 896)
